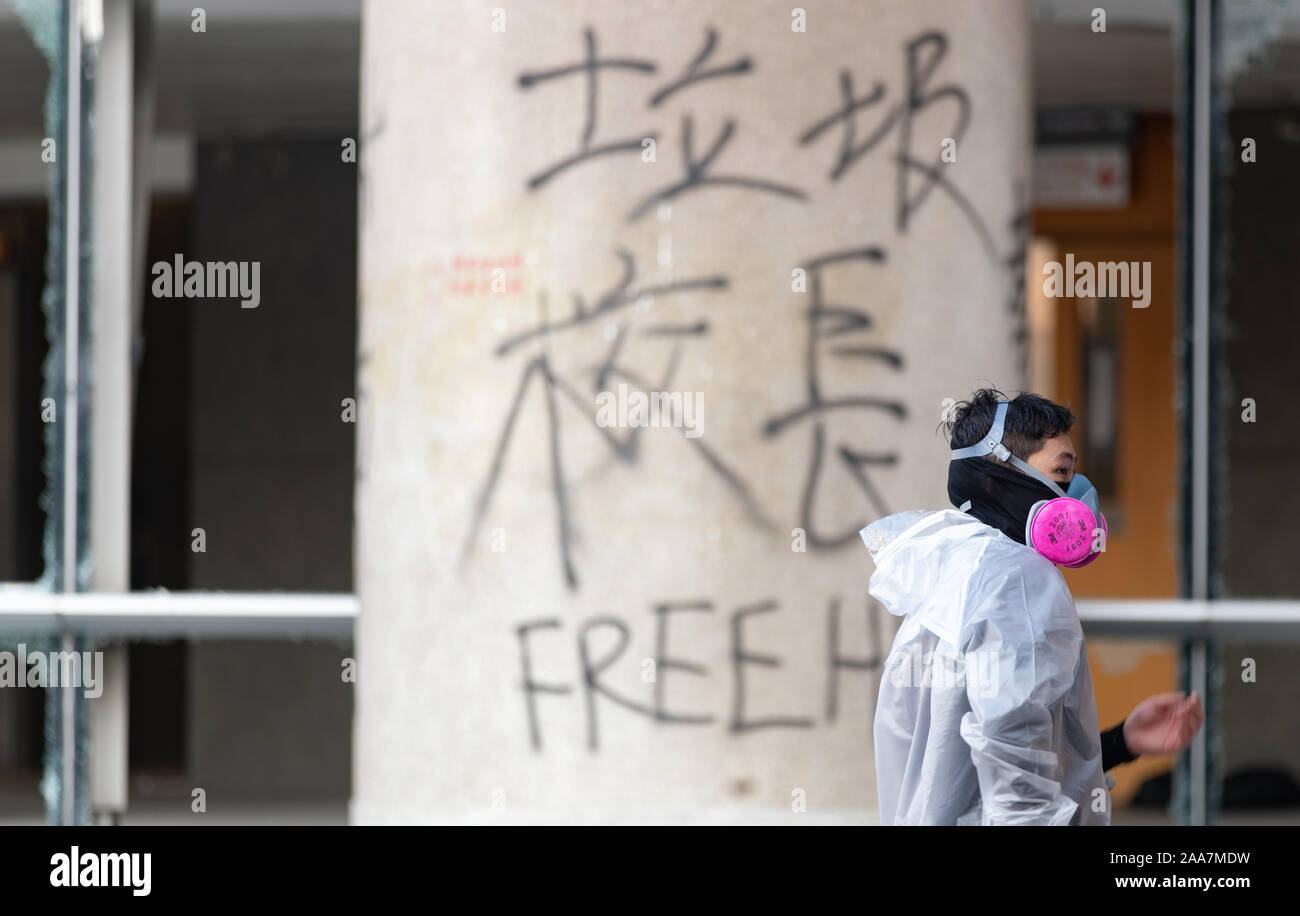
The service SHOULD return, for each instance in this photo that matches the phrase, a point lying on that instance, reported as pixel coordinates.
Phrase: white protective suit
(985, 713)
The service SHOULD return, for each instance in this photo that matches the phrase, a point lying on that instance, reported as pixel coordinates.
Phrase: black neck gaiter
(999, 496)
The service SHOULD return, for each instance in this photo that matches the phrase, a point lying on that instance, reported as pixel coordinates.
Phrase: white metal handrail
(163, 614)
(1232, 620)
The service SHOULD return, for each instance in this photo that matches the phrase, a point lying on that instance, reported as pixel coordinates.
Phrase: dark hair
(1031, 420)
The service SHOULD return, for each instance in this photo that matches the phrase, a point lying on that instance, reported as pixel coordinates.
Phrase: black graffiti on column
(597, 669)
(696, 176)
(542, 369)
(831, 322)
(1014, 262)
(695, 171)
(589, 67)
(924, 54)
(695, 72)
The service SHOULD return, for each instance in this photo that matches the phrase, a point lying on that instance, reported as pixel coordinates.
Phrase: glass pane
(1256, 416)
(243, 456)
(243, 449)
(31, 268)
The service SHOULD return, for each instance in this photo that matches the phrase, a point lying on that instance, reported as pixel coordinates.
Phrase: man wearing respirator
(986, 713)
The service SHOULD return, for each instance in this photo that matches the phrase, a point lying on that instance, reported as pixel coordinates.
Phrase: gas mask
(1068, 529)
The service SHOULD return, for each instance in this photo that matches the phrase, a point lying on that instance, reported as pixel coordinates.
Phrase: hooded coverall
(985, 713)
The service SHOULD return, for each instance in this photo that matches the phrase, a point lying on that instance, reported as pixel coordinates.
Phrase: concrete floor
(164, 801)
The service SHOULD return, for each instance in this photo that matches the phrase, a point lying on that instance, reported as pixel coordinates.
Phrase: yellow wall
(1141, 559)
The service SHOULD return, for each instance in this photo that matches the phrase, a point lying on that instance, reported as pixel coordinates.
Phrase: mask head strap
(991, 444)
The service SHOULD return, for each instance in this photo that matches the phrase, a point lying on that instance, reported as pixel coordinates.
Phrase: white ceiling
(292, 65)
(243, 10)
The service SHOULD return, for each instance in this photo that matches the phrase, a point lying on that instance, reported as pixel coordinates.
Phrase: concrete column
(805, 227)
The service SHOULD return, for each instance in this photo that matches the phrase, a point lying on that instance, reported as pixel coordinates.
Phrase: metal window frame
(1201, 18)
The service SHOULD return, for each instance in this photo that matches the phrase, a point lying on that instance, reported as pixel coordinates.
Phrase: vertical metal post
(1202, 111)
(110, 389)
(72, 304)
